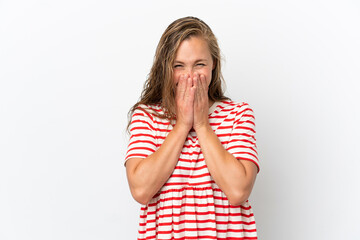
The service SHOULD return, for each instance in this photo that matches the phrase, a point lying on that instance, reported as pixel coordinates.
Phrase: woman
(191, 160)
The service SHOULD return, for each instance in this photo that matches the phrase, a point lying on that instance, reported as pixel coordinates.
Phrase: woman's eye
(199, 64)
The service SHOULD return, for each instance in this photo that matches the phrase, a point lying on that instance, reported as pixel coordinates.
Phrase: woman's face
(193, 56)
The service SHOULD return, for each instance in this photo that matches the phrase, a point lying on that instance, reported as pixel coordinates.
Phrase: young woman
(191, 160)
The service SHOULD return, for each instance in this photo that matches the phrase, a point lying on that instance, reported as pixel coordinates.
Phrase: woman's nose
(191, 73)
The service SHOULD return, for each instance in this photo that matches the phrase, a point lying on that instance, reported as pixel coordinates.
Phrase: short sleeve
(242, 142)
(142, 140)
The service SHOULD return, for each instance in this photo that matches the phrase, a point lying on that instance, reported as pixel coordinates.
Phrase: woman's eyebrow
(199, 60)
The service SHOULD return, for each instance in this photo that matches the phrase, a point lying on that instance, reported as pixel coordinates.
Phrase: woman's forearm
(152, 172)
(228, 172)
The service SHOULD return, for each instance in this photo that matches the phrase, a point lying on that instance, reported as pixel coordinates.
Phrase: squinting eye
(201, 64)
(177, 66)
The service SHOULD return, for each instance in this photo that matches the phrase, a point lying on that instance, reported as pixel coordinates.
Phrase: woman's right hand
(184, 99)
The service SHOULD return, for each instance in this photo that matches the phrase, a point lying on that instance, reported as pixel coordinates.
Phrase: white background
(70, 71)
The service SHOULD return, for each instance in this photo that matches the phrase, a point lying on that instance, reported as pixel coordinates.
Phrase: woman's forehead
(196, 60)
(195, 49)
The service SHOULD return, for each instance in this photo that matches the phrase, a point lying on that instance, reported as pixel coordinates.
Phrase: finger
(181, 87)
(203, 81)
(199, 85)
(195, 80)
(204, 87)
(198, 96)
(192, 95)
(195, 88)
(188, 88)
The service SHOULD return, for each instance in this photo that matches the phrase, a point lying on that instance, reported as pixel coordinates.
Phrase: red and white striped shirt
(190, 205)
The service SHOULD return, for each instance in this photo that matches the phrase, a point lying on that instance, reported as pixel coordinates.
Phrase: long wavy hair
(159, 86)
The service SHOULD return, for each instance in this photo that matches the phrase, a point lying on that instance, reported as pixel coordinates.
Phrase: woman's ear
(214, 64)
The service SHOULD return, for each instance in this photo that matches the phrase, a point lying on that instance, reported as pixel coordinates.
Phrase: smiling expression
(193, 56)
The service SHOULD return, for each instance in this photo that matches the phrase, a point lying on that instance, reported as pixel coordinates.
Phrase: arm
(147, 175)
(234, 177)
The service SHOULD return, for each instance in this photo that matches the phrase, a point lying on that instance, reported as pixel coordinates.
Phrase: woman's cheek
(208, 75)
(176, 77)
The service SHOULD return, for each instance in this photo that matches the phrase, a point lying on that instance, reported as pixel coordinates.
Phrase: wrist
(181, 128)
(203, 128)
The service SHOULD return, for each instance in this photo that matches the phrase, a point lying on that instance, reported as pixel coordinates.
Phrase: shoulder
(237, 107)
(150, 111)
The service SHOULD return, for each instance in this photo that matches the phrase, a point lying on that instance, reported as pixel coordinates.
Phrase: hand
(184, 99)
(201, 102)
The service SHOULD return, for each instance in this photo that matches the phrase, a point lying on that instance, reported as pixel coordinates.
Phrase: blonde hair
(159, 86)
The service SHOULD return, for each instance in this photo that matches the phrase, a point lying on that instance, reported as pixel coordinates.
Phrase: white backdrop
(70, 71)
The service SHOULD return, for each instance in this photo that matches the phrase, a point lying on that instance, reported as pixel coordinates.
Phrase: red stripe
(158, 109)
(218, 117)
(225, 127)
(137, 155)
(138, 114)
(200, 237)
(141, 135)
(193, 221)
(167, 123)
(247, 141)
(249, 115)
(211, 196)
(190, 160)
(242, 122)
(214, 123)
(141, 148)
(243, 134)
(189, 176)
(142, 121)
(229, 119)
(190, 168)
(139, 108)
(204, 213)
(238, 238)
(195, 197)
(187, 183)
(194, 213)
(242, 153)
(191, 140)
(140, 128)
(241, 146)
(142, 141)
(152, 128)
(196, 230)
(244, 140)
(244, 110)
(230, 103)
(190, 153)
(193, 188)
(222, 142)
(163, 123)
(243, 127)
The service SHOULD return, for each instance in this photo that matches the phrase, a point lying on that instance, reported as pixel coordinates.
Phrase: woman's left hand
(201, 102)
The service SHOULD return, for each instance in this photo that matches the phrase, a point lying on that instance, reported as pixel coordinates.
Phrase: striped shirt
(190, 205)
